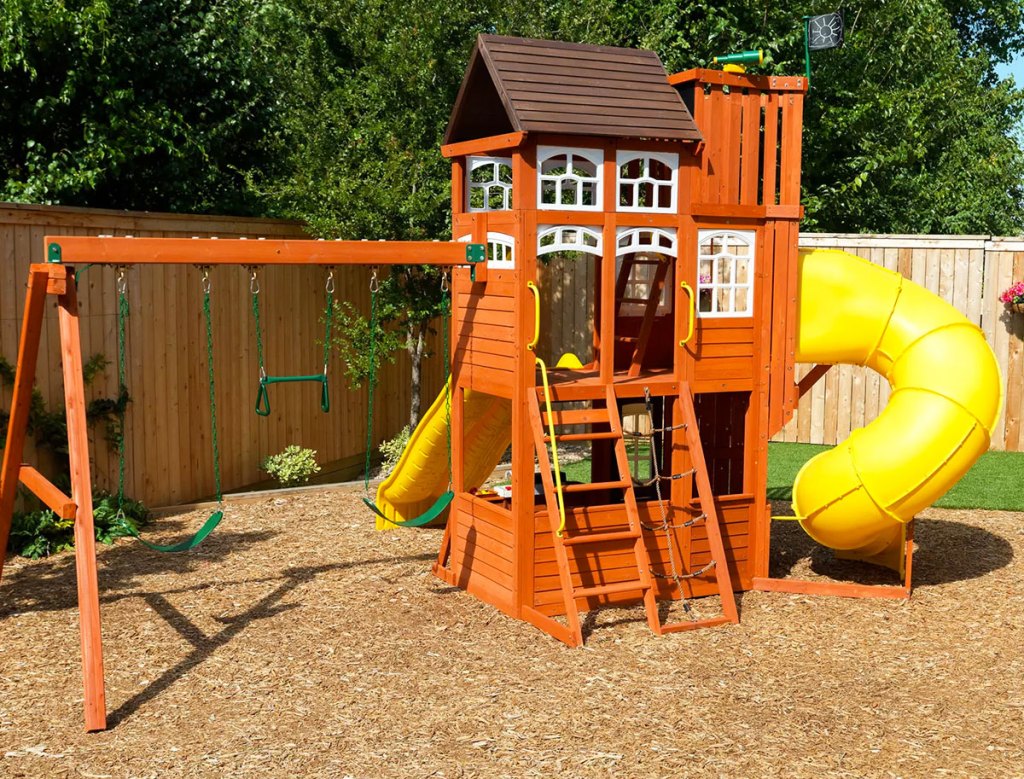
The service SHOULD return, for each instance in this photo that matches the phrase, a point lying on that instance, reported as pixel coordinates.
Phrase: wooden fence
(168, 427)
(966, 271)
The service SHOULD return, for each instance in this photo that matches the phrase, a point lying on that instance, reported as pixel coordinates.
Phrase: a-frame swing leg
(21, 401)
(81, 494)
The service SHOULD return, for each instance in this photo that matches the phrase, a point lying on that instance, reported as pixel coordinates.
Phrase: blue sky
(1015, 69)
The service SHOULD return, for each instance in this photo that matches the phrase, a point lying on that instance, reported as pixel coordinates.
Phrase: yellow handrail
(693, 311)
(532, 345)
(536, 315)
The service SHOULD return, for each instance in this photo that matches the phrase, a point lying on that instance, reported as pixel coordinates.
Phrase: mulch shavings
(298, 642)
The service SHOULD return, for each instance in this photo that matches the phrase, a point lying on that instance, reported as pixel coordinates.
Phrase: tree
(117, 104)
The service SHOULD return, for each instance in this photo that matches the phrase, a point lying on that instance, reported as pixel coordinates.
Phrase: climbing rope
(665, 526)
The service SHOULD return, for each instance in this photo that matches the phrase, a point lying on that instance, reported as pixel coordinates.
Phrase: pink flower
(1015, 294)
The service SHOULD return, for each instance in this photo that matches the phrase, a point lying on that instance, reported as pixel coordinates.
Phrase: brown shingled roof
(522, 84)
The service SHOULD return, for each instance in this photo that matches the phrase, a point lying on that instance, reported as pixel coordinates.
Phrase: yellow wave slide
(422, 472)
(946, 398)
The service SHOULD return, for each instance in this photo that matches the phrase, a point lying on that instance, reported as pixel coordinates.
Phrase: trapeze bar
(241, 251)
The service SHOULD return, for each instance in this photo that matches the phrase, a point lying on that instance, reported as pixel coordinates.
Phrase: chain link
(259, 326)
(372, 377)
(208, 316)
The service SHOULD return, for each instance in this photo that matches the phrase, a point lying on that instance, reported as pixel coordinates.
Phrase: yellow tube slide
(421, 475)
(946, 398)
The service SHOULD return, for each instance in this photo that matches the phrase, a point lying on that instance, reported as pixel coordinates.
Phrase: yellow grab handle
(536, 315)
(693, 311)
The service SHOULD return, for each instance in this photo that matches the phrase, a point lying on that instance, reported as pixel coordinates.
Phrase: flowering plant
(1015, 294)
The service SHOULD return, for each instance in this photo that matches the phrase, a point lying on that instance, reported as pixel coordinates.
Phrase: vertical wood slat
(168, 428)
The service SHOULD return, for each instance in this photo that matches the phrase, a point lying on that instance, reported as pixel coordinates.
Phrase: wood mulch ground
(297, 642)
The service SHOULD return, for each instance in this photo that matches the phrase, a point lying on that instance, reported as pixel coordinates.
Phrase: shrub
(293, 466)
(41, 533)
(392, 451)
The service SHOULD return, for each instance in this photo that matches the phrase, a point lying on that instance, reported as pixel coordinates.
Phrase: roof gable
(527, 85)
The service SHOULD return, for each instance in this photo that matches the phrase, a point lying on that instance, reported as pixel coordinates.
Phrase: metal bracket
(476, 253)
(53, 253)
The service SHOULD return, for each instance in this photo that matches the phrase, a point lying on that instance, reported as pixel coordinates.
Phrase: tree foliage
(144, 105)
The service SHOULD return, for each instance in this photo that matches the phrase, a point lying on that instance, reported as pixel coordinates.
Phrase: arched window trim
(636, 243)
(562, 245)
(593, 156)
(501, 250)
(671, 160)
(495, 181)
(747, 238)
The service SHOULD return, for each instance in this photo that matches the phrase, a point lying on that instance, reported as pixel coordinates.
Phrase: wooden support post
(17, 427)
(814, 375)
(81, 494)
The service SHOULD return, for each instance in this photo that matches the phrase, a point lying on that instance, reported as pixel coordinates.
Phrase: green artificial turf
(995, 482)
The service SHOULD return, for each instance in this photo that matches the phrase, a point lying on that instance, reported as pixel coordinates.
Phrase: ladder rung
(578, 416)
(597, 485)
(610, 589)
(626, 339)
(582, 436)
(633, 300)
(597, 538)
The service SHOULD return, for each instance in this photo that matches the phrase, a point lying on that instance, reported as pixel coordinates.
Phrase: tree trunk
(415, 345)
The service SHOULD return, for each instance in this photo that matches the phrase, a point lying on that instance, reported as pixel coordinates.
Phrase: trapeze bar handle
(693, 311)
(263, 396)
(532, 345)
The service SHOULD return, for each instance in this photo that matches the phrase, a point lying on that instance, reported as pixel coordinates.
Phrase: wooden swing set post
(59, 280)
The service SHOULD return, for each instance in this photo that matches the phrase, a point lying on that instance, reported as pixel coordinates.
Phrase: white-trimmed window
(650, 239)
(500, 250)
(725, 273)
(647, 181)
(563, 238)
(569, 179)
(647, 248)
(489, 183)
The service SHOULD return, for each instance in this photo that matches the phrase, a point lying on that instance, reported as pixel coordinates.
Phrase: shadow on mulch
(50, 585)
(946, 551)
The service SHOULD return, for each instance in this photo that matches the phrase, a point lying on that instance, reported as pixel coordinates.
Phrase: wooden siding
(168, 426)
(484, 334)
(580, 89)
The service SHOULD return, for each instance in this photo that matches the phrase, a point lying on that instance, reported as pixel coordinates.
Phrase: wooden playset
(683, 191)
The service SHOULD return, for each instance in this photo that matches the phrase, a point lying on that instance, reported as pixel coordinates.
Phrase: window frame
(591, 155)
(472, 164)
(669, 159)
(748, 237)
(561, 246)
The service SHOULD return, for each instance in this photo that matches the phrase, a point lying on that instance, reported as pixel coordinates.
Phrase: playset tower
(683, 192)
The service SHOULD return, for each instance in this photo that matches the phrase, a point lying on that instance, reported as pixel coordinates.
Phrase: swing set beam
(108, 250)
(56, 277)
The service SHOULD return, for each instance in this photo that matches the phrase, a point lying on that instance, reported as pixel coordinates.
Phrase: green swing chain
(122, 385)
(446, 313)
(372, 378)
(254, 290)
(208, 316)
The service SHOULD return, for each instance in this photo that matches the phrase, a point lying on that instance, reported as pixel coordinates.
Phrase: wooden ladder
(650, 303)
(567, 541)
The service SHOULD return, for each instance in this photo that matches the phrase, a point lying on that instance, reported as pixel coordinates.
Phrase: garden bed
(299, 642)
